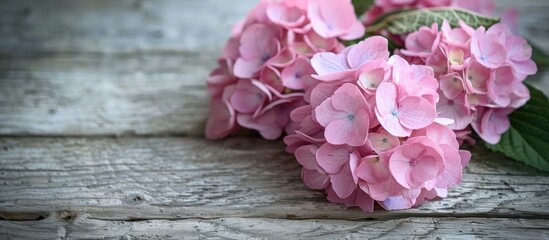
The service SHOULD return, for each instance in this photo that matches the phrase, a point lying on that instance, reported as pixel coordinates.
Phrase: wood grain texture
(57, 226)
(103, 68)
(180, 178)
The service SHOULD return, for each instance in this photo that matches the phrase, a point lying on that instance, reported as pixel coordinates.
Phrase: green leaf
(539, 56)
(528, 138)
(362, 5)
(411, 20)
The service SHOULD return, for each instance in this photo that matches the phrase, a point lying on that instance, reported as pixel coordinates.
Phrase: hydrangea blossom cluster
(265, 68)
(370, 131)
(480, 72)
(381, 7)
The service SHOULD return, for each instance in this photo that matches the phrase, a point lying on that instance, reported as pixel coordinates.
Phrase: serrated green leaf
(539, 56)
(528, 138)
(362, 5)
(411, 20)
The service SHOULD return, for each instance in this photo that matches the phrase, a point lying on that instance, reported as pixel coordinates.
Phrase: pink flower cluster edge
(366, 126)
(265, 71)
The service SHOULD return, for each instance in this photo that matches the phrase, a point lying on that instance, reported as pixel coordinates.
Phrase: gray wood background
(102, 107)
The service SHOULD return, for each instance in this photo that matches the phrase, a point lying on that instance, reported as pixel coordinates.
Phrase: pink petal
(426, 169)
(383, 142)
(439, 134)
(372, 170)
(332, 158)
(343, 183)
(221, 121)
(319, 43)
(325, 113)
(330, 66)
(247, 68)
(283, 59)
(364, 201)
(487, 50)
(353, 132)
(370, 49)
(386, 98)
(348, 98)
(476, 77)
(400, 166)
(452, 169)
(295, 76)
(285, 16)
(465, 157)
(356, 31)
(392, 124)
(451, 85)
(370, 80)
(331, 18)
(416, 113)
(314, 179)
(321, 92)
(300, 113)
(306, 156)
(456, 109)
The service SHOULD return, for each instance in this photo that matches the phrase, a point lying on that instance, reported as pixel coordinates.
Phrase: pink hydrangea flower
(368, 132)
(265, 68)
(480, 72)
(345, 115)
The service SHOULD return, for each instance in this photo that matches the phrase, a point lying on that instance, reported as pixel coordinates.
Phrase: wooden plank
(264, 228)
(175, 178)
(92, 94)
(117, 26)
(95, 68)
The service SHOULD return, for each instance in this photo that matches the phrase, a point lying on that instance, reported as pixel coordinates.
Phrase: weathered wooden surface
(268, 228)
(187, 179)
(75, 73)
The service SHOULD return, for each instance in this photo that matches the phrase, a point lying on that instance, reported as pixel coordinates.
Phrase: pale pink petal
(383, 142)
(451, 85)
(348, 98)
(386, 98)
(325, 113)
(332, 158)
(392, 124)
(295, 76)
(343, 183)
(353, 132)
(465, 157)
(370, 49)
(247, 68)
(364, 201)
(452, 169)
(330, 66)
(285, 16)
(400, 166)
(456, 109)
(306, 156)
(425, 169)
(372, 170)
(314, 179)
(487, 49)
(221, 121)
(321, 92)
(416, 113)
(356, 31)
